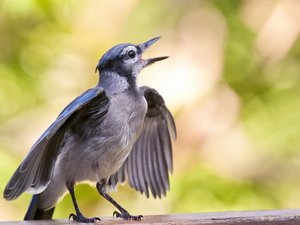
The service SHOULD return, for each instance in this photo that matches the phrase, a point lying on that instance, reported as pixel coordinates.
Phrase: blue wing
(67, 112)
(35, 171)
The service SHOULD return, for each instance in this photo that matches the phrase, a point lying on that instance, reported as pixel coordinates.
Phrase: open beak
(146, 45)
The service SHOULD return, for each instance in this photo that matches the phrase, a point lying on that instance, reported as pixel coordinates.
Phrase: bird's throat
(114, 83)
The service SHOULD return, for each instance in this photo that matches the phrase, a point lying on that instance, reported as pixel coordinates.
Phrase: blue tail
(34, 213)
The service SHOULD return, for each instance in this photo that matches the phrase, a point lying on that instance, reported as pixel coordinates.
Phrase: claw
(126, 216)
(116, 214)
(139, 217)
(72, 216)
(82, 219)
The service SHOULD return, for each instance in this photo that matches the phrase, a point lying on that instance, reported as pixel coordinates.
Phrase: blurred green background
(232, 82)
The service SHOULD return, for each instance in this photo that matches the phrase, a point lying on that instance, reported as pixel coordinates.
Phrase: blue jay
(112, 133)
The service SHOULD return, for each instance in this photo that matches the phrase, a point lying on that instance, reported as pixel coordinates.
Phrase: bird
(113, 133)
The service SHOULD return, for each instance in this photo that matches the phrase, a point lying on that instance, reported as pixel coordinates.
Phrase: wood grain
(264, 217)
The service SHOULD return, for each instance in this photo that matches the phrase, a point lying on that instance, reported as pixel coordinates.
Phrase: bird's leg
(101, 187)
(78, 217)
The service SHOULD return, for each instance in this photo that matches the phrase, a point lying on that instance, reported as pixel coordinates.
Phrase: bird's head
(126, 59)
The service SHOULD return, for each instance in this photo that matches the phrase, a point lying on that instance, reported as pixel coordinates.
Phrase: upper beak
(146, 45)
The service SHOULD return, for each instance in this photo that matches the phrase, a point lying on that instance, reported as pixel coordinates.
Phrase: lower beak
(146, 45)
(147, 62)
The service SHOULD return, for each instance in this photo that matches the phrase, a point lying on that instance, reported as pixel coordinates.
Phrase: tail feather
(34, 213)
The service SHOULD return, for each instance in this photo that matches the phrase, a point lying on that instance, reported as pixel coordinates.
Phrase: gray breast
(103, 153)
(125, 120)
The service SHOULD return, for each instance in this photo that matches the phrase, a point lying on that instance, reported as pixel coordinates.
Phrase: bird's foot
(80, 218)
(126, 216)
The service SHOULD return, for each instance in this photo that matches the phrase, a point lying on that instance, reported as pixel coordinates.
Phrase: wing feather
(35, 171)
(148, 165)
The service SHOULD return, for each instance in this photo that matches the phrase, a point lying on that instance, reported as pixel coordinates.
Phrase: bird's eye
(131, 54)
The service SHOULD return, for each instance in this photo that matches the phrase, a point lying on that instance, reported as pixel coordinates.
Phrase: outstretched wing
(150, 161)
(35, 171)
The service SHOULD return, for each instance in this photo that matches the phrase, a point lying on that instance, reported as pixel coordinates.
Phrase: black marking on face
(123, 60)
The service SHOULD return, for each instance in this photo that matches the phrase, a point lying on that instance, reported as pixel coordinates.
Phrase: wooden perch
(264, 217)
